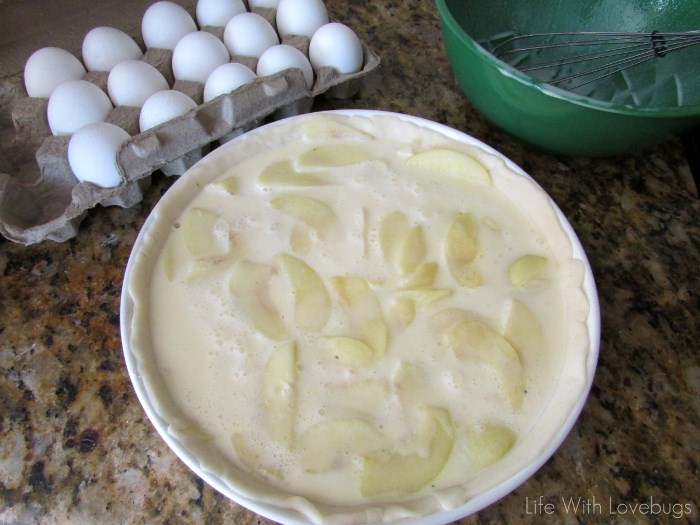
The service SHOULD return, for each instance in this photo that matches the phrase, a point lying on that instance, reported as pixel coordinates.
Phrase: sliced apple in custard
(461, 248)
(364, 310)
(474, 340)
(332, 155)
(402, 245)
(356, 294)
(249, 286)
(524, 331)
(409, 381)
(422, 277)
(302, 239)
(228, 184)
(486, 445)
(321, 128)
(444, 161)
(392, 230)
(410, 251)
(324, 444)
(312, 305)
(440, 321)
(403, 310)
(282, 173)
(424, 297)
(348, 351)
(375, 333)
(279, 393)
(525, 268)
(206, 233)
(208, 267)
(397, 473)
(310, 211)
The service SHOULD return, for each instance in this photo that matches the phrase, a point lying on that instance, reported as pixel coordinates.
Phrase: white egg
(196, 55)
(226, 78)
(300, 17)
(92, 154)
(280, 57)
(163, 106)
(131, 82)
(74, 104)
(217, 13)
(336, 45)
(48, 67)
(105, 47)
(255, 4)
(164, 24)
(249, 35)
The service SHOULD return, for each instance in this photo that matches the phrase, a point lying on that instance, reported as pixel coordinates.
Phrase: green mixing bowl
(622, 112)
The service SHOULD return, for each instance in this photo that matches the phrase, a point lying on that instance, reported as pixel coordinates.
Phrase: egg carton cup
(50, 203)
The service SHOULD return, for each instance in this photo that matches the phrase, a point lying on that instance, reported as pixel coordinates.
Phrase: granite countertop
(76, 446)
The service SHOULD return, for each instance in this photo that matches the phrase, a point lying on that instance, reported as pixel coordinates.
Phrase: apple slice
(249, 286)
(486, 445)
(302, 239)
(376, 334)
(282, 173)
(450, 162)
(402, 245)
(392, 229)
(440, 321)
(324, 444)
(355, 293)
(321, 128)
(332, 155)
(310, 211)
(348, 351)
(409, 377)
(410, 382)
(311, 301)
(411, 250)
(526, 268)
(424, 297)
(461, 248)
(474, 340)
(206, 234)
(406, 474)
(279, 393)
(524, 331)
(364, 310)
(403, 310)
(422, 277)
(203, 268)
(228, 184)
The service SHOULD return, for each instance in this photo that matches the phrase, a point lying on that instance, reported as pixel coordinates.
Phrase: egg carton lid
(53, 204)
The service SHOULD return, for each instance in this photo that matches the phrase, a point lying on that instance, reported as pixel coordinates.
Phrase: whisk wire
(617, 51)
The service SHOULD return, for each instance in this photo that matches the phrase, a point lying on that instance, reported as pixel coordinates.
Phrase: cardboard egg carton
(51, 203)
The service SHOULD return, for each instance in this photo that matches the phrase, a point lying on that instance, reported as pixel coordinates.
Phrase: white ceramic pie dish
(144, 375)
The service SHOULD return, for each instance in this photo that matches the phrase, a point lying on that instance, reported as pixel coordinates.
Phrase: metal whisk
(574, 59)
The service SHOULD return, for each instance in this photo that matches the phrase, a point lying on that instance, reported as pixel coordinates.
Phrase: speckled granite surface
(76, 447)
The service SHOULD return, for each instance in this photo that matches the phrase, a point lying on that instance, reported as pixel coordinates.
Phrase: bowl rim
(440, 517)
(549, 90)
